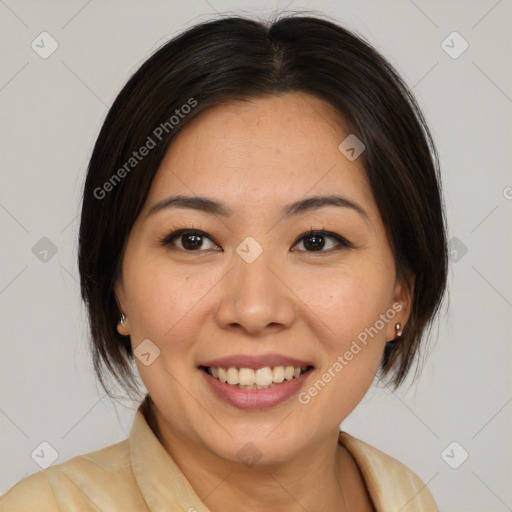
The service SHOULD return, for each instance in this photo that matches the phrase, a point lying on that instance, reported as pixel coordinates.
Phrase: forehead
(270, 149)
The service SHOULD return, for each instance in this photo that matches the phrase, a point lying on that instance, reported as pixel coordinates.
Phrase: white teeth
(262, 378)
(233, 376)
(288, 373)
(223, 374)
(246, 377)
(278, 374)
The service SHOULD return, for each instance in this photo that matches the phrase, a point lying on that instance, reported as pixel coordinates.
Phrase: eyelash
(343, 243)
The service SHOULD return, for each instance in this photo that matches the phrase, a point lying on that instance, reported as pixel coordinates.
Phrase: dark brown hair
(240, 58)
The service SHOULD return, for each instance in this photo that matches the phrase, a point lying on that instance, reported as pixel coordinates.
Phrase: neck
(315, 479)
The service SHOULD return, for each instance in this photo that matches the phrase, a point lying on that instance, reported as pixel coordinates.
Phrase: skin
(197, 305)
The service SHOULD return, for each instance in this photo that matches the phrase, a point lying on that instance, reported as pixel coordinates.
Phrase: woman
(262, 233)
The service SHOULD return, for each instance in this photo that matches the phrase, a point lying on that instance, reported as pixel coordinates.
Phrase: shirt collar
(161, 482)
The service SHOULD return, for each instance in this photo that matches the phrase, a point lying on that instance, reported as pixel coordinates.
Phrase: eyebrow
(207, 205)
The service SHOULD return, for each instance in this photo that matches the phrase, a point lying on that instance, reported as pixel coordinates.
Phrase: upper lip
(255, 362)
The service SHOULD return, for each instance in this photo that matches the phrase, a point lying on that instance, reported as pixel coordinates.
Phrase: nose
(255, 298)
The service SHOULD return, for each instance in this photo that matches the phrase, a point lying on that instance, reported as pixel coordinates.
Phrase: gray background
(52, 110)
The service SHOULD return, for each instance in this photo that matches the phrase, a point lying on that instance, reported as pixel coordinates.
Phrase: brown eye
(316, 241)
(189, 241)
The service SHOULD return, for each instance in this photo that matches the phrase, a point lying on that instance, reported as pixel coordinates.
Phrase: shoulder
(30, 494)
(71, 482)
(390, 483)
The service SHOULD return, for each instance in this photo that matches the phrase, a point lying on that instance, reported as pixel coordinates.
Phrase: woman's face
(253, 287)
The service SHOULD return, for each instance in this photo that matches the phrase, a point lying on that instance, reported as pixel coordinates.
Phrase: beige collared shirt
(139, 475)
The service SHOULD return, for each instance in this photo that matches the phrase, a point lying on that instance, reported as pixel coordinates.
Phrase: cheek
(347, 300)
(165, 302)
(165, 307)
(346, 312)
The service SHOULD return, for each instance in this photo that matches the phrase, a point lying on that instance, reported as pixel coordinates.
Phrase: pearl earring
(398, 328)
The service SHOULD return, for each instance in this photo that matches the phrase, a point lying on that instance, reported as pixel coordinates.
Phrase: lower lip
(254, 399)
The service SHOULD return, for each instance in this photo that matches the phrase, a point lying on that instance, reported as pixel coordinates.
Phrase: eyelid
(341, 241)
(168, 239)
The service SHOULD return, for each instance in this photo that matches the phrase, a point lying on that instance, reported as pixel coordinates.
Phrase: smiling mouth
(261, 378)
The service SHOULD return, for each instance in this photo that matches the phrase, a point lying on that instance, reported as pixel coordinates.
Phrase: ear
(402, 305)
(122, 328)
